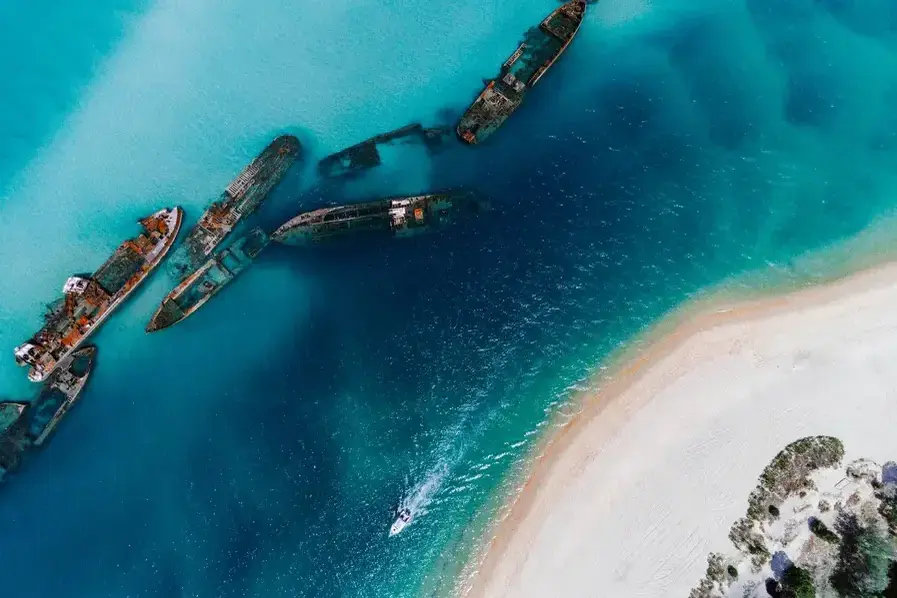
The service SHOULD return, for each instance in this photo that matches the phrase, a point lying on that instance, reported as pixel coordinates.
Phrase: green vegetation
(789, 472)
(822, 530)
(888, 507)
(715, 577)
(797, 583)
(865, 565)
(891, 591)
(864, 559)
(716, 567)
(749, 541)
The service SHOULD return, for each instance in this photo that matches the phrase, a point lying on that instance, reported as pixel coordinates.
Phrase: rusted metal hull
(397, 216)
(198, 288)
(521, 72)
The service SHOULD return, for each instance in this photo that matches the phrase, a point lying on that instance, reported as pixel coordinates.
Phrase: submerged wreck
(208, 280)
(88, 299)
(392, 216)
(521, 72)
(24, 426)
(13, 435)
(365, 155)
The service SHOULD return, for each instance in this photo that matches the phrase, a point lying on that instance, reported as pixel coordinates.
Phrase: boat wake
(448, 454)
(419, 497)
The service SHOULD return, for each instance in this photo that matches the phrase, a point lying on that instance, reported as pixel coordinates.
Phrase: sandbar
(629, 496)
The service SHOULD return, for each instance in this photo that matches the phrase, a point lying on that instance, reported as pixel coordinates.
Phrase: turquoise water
(261, 447)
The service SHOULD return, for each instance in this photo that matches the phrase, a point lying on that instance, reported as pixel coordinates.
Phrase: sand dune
(628, 499)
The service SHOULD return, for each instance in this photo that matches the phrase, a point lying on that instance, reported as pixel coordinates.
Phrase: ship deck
(403, 215)
(539, 48)
(242, 197)
(348, 161)
(62, 335)
(208, 279)
(523, 69)
(117, 270)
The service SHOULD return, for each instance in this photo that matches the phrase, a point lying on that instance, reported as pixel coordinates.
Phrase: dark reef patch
(812, 100)
(883, 138)
(871, 18)
(724, 89)
(779, 15)
(790, 30)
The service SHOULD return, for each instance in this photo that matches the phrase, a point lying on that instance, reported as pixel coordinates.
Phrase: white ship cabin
(41, 361)
(84, 297)
(76, 285)
(397, 211)
(243, 182)
(83, 293)
(513, 82)
(28, 354)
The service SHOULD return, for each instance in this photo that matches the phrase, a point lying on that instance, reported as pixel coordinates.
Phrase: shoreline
(723, 306)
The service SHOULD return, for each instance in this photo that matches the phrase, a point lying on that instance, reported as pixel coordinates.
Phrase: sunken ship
(208, 280)
(88, 299)
(365, 155)
(242, 197)
(60, 394)
(521, 72)
(397, 216)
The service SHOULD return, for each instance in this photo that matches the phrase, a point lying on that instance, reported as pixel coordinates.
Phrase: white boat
(403, 518)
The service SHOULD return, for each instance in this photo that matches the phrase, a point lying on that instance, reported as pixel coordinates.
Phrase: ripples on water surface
(261, 447)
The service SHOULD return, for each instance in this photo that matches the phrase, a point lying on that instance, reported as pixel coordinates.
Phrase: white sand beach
(630, 496)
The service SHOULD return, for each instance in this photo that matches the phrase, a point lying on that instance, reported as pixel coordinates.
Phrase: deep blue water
(261, 447)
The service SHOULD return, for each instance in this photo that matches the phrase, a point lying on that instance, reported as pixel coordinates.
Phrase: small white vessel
(402, 520)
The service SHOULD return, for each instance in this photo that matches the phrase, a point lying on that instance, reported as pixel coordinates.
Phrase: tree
(891, 591)
(714, 579)
(888, 506)
(797, 583)
(864, 557)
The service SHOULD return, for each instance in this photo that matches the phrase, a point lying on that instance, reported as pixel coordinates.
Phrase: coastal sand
(629, 497)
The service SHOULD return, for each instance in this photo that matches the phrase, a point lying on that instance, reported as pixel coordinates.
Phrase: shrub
(716, 567)
(788, 473)
(749, 541)
(714, 578)
(821, 530)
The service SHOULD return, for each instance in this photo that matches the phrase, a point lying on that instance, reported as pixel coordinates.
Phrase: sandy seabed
(629, 497)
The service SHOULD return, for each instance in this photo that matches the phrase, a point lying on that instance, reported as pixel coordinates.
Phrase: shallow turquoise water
(261, 447)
